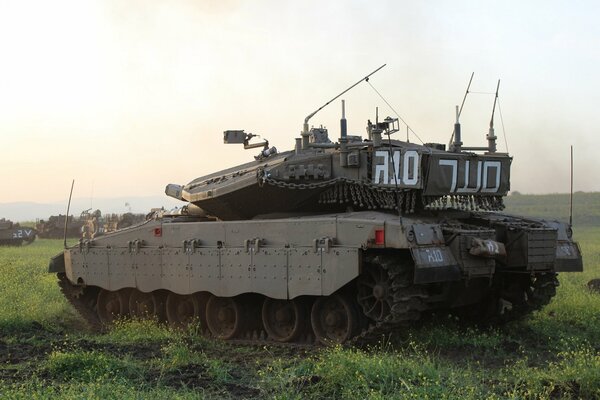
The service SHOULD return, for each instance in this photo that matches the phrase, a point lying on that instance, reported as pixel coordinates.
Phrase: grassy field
(45, 351)
(586, 207)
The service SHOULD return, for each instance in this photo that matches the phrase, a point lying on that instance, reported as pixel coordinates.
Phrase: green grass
(89, 366)
(28, 294)
(586, 207)
(415, 373)
(46, 353)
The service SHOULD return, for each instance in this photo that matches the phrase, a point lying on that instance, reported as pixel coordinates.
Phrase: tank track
(510, 304)
(408, 301)
(16, 242)
(538, 292)
(82, 299)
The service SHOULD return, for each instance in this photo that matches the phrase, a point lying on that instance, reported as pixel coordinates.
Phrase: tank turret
(352, 173)
(54, 227)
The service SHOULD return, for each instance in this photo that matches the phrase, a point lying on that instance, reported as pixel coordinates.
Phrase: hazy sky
(127, 96)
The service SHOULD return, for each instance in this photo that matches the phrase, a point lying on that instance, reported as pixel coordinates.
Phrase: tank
(13, 234)
(54, 227)
(332, 242)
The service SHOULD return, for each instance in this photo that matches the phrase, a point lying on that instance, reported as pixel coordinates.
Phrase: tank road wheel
(112, 305)
(284, 320)
(224, 317)
(374, 293)
(334, 319)
(182, 310)
(147, 305)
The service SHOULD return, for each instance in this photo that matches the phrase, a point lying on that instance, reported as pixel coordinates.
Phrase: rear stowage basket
(534, 248)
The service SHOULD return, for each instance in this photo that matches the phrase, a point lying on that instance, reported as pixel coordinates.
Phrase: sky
(128, 96)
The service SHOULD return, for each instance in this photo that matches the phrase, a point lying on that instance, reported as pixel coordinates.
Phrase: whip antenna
(67, 217)
(461, 106)
(305, 133)
(494, 108)
(571, 206)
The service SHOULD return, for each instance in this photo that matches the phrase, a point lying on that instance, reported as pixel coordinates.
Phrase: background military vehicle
(97, 224)
(336, 242)
(54, 227)
(13, 234)
(129, 219)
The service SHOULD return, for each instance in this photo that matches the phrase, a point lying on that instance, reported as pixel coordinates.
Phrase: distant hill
(30, 211)
(586, 207)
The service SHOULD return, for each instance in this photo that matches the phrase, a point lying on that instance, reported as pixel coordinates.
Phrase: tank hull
(13, 234)
(17, 236)
(376, 271)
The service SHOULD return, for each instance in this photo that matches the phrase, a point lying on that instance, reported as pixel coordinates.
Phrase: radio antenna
(494, 108)
(461, 106)
(67, 217)
(305, 128)
(571, 206)
(491, 136)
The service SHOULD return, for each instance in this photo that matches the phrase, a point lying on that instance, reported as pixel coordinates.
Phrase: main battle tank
(335, 242)
(54, 227)
(13, 234)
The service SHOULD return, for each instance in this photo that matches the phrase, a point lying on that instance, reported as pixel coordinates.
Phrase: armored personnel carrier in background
(13, 234)
(333, 241)
(97, 224)
(129, 219)
(54, 227)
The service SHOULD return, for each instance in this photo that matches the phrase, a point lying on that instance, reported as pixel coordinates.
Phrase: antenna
(67, 218)
(491, 137)
(92, 196)
(456, 145)
(494, 108)
(571, 207)
(461, 107)
(305, 128)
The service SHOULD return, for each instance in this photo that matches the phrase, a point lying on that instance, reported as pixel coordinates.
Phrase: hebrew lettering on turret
(402, 170)
(466, 175)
